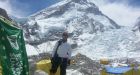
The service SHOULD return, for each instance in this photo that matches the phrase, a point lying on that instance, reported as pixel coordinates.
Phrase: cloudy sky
(124, 12)
(24, 8)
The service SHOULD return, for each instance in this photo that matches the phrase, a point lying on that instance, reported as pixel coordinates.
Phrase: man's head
(65, 36)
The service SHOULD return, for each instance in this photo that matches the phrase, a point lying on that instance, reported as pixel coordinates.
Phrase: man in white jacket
(61, 55)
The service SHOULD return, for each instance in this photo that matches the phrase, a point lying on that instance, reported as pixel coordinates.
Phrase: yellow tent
(45, 65)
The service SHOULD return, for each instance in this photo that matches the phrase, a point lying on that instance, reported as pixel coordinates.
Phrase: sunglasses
(65, 35)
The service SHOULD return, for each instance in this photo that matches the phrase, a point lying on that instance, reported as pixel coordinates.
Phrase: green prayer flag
(13, 56)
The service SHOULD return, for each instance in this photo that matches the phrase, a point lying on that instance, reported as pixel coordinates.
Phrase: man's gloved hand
(69, 62)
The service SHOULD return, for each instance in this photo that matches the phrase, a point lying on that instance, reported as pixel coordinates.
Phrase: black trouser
(62, 62)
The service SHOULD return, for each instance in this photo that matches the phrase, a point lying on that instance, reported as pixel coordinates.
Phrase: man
(61, 55)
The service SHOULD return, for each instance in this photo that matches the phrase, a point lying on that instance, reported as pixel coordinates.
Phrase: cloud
(5, 4)
(119, 10)
(12, 8)
(3, 0)
(122, 14)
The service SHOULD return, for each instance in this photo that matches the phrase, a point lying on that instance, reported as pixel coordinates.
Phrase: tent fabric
(13, 56)
(45, 65)
(118, 70)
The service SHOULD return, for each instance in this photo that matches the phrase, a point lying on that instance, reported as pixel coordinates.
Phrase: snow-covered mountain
(75, 16)
(117, 43)
(137, 25)
(91, 32)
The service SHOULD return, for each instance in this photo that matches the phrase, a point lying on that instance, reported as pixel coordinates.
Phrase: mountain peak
(64, 6)
(138, 18)
(75, 16)
(137, 25)
(79, 1)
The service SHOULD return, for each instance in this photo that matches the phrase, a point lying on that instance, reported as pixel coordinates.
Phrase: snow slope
(116, 43)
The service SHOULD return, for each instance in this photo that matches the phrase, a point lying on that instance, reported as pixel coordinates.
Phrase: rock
(4, 14)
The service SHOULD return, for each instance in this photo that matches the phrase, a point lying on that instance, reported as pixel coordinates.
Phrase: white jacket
(64, 50)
